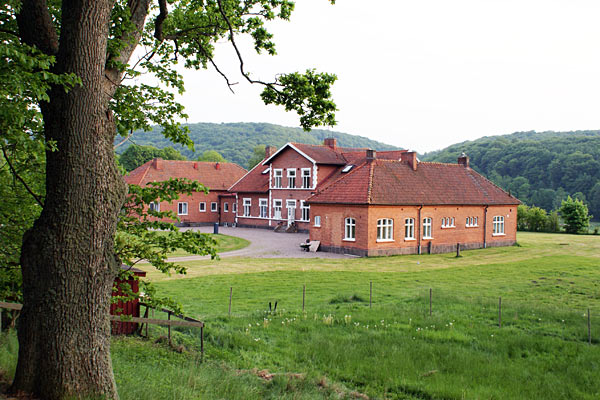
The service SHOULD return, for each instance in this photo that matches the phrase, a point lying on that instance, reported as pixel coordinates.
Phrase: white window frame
(448, 222)
(180, 208)
(498, 225)
(225, 207)
(385, 230)
(214, 206)
(306, 181)
(471, 222)
(277, 178)
(291, 175)
(317, 221)
(234, 207)
(277, 206)
(154, 206)
(305, 208)
(262, 205)
(350, 229)
(247, 206)
(427, 227)
(409, 229)
(202, 206)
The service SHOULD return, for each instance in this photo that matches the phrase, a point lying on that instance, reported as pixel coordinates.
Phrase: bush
(574, 214)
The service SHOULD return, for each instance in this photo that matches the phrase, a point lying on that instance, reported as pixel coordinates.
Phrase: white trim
(186, 207)
(293, 147)
(498, 234)
(263, 203)
(216, 208)
(201, 203)
(302, 176)
(225, 207)
(315, 223)
(275, 177)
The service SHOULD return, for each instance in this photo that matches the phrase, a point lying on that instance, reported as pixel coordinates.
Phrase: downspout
(485, 227)
(419, 231)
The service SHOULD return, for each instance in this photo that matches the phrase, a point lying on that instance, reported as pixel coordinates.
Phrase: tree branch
(160, 19)
(239, 54)
(14, 172)
(124, 140)
(229, 84)
(36, 27)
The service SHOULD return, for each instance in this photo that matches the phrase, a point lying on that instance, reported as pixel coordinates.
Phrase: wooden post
(499, 312)
(146, 316)
(589, 328)
(430, 295)
(303, 296)
(169, 318)
(230, 295)
(202, 343)
(370, 294)
(457, 249)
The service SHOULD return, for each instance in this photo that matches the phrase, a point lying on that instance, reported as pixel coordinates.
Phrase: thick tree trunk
(68, 258)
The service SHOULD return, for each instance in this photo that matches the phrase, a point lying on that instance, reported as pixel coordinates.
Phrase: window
(317, 220)
(471, 221)
(448, 222)
(305, 211)
(350, 229)
(347, 168)
(247, 204)
(291, 210)
(306, 178)
(498, 225)
(202, 206)
(277, 175)
(266, 171)
(225, 207)
(385, 229)
(277, 209)
(426, 228)
(263, 207)
(234, 208)
(291, 174)
(154, 206)
(214, 206)
(182, 208)
(409, 228)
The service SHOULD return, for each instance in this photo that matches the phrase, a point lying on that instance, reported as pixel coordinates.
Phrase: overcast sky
(424, 74)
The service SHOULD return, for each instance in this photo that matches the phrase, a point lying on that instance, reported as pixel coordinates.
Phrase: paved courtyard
(264, 243)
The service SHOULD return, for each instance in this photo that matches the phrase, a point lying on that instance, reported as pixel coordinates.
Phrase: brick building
(385, 207)
(275, 192)
(199, 208)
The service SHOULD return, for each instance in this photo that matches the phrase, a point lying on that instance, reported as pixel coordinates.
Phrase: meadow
(341, 347)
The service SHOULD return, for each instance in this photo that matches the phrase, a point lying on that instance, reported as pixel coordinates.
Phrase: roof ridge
(145, 172)
(370, 189)
(248, 172)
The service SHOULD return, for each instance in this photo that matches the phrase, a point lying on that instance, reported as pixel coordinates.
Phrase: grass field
(341, 348)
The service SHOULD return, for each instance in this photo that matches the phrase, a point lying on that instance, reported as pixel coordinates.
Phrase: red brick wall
(194, 216)
(229, 216)
(445, 239)
(254, 219)
(289, 158)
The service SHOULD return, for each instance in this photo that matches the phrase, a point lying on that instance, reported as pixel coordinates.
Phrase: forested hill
(236, 141)
(540, 168)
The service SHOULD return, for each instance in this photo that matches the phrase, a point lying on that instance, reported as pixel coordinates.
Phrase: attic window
(266, 171)
(347, 168)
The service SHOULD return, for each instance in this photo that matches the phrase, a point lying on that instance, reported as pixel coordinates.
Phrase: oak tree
(77, 57)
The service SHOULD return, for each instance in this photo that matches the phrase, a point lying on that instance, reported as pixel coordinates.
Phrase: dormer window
(266, 171)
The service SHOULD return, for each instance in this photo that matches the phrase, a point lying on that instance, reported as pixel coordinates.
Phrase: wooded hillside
(236, 141)
(540, 168)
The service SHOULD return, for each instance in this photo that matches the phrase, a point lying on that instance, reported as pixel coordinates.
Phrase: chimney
(330, 142)
(269, 151)
(217, 166)
(371, 154)
(463, 160)
(410, 158)
(157, 163)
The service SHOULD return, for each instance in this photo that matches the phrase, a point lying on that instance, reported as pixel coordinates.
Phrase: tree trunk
(68, 260)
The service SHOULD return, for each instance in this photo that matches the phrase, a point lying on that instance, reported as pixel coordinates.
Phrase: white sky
(424, 74)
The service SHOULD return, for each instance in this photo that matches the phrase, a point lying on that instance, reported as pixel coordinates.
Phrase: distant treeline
(236, 141)
(539, 168)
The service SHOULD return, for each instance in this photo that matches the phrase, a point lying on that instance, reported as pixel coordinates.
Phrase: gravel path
(264, 243)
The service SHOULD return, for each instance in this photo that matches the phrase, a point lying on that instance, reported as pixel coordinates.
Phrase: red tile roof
(254, 181)
(215, 176)
(388, 182)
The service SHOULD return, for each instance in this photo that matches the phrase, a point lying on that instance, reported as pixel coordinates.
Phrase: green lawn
(224, 243)
(341, 348)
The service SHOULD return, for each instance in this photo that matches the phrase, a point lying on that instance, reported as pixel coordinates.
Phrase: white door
(291, 211)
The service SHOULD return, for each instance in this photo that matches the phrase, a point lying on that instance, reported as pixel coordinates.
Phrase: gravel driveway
(264, 243)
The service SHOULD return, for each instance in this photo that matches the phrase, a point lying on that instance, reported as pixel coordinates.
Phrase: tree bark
(68, 260)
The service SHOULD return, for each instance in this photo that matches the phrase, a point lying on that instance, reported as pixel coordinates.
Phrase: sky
(422, 75)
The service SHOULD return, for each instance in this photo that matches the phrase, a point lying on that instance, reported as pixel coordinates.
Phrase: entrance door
(291, 211)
